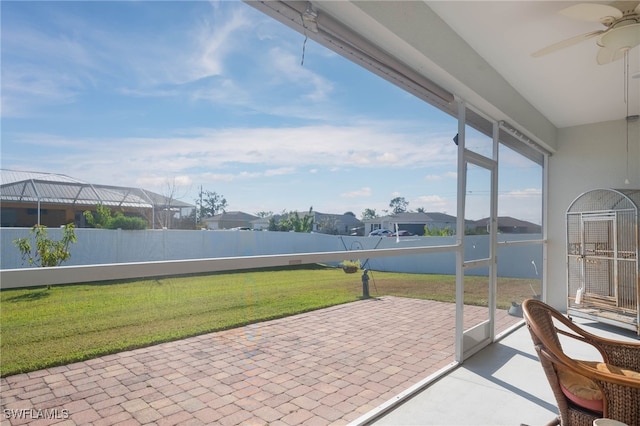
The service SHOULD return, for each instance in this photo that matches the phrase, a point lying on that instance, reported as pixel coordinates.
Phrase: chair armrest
(620, 393)
(621, 354)
(616, 352)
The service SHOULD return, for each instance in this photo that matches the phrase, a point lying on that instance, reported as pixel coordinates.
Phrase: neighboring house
(230, 220)
(324, 223)
(336, 224)
(413, 222)
(510, 225)
(51, 199)
(261, 223)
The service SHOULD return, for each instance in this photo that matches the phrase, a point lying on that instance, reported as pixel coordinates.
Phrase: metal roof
(33, 187)
(13, 176)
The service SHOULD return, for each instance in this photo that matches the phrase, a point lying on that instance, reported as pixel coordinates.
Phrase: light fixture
(625, 36)
(616, 41)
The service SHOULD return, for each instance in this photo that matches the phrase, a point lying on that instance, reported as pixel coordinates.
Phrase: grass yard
(46, 327)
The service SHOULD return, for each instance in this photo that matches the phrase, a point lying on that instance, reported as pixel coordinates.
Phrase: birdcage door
(599, 258)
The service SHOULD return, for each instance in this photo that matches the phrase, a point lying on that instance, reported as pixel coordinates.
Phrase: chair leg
(554, 422)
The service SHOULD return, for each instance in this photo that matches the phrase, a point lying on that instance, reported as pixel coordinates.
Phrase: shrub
(126, 222)
(103, 218)
(438, 232)
(47, 252)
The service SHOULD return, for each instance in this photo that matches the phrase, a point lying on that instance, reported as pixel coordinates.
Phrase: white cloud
(163, 181)
(280, 171)
(74, 54)
(524, 204)
(215, 39)
(183, 180)
(228, 66)
(439, 177)
(432, 202)
(216, 177)
(358, 193)
(388, 158)
(223, 155)
(284, 66)
(523, 193)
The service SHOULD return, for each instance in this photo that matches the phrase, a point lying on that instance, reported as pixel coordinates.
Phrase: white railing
(13, 278)
(103, 255)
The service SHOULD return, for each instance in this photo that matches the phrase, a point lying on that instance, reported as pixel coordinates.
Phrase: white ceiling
(567, 86)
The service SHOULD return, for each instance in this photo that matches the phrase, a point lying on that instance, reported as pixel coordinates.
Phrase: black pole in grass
(365, 284)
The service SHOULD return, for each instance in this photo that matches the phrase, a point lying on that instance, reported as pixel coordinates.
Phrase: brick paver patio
(323, 367)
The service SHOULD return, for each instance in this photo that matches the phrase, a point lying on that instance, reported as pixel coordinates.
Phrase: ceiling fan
(622, 32)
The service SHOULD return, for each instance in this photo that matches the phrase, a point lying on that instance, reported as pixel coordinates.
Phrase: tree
(420, 210)
(293, 222)
(47, 252)
(103, 218)
(210, 203)
(264, 214)
(273, 226)
(185, 222)
(398, 205)
(369, 214)
(171, 193)
(328, 225)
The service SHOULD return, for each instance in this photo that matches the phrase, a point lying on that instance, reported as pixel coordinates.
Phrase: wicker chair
(614, 380)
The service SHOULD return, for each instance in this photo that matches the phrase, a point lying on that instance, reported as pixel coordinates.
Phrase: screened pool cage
(602, 257)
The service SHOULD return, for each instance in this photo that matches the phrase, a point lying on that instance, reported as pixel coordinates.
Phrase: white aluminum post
(460, 223)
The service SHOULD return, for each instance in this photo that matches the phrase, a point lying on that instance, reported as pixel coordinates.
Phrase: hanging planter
(350, 266)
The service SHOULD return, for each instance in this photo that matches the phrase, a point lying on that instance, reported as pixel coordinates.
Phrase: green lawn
(45, 327)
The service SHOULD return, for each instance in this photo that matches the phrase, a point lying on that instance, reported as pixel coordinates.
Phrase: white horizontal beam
(32, 277)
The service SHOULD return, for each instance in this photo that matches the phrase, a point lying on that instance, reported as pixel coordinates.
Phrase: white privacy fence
(102, 247)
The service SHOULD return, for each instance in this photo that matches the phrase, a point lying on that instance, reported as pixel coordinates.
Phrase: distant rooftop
(415, 217)
(33, 187)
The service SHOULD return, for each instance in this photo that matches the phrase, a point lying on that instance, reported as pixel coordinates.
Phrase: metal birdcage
(602, 257)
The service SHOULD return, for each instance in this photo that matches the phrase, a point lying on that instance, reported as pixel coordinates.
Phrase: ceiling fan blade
(607, 55)
(592, 12)
(566, 43)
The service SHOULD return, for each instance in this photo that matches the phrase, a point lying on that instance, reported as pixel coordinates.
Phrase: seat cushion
(583, 391)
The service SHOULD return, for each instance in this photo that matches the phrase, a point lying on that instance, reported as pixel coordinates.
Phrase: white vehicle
(380, 233)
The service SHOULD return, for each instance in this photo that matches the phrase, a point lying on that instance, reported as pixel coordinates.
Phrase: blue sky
(213, 94)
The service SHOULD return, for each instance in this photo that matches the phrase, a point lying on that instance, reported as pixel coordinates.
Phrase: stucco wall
(97, 246)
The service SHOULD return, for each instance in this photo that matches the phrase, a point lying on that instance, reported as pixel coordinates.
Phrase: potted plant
(350, 266)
